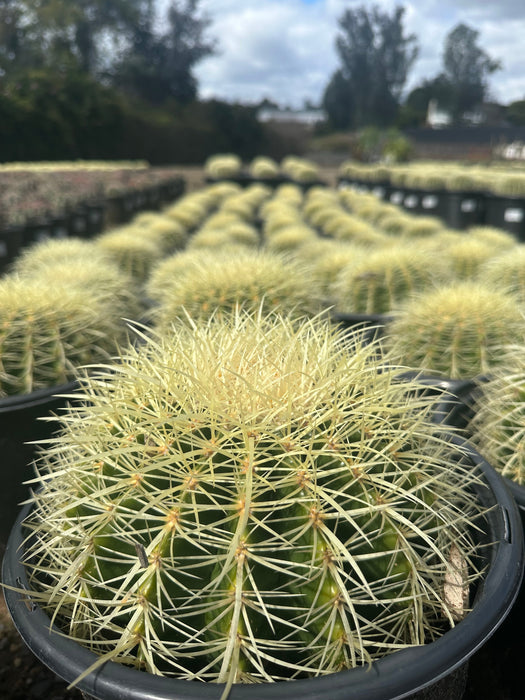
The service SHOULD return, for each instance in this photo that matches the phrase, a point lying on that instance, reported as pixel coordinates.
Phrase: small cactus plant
(498, 425)
(223, 281)
(502, 240)
(223, 165)
(290, 238)
(457, 330)
(506, 271)
(249, 501)
(132, 250)
(264, 168)
(48, 330)
(380, 281)
(170, 234)
(468, 254)
(38, 257)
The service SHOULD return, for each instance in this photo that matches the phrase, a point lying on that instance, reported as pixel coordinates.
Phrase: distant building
(306, 117)
(437, 118)
(488, 114)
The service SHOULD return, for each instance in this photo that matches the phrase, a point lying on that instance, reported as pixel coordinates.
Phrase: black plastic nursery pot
(20, 424)
(59, 225)
(381, 189)
(95, 217)
(434, 203)
(397, 195)
(241, 179)
(372, 325)
(411, 200)
(11, 240)
(36, 231)
(465, 209)
(436, 670)
(507, 213)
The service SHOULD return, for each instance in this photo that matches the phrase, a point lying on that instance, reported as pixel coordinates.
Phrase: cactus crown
(132, 249)
(232, 278)
(249, 500)
(38, 257)
(457, 330)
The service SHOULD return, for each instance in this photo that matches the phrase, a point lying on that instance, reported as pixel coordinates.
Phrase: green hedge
(47, 116)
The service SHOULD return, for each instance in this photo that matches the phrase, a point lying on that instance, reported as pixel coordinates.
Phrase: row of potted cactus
(460, 194)
(263, 169)
(39, 201)
(250, 495)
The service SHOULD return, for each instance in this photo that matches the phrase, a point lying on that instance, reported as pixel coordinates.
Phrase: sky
(284, 50)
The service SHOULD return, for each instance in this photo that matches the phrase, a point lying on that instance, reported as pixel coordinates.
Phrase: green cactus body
(327, 261)
(264, 168)
(223, 165)
(290, 238)
(467, 255)
(421, 226)
(170, 234)
(250, 500)
(500, 239)
(457, 330)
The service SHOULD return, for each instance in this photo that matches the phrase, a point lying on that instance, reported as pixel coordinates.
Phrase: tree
(18, 47)
(376, 57)
(337, 102)
(65, 34)
(158, 67)
(466, 69)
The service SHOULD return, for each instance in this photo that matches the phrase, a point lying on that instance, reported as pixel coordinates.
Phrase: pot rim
(16, 402)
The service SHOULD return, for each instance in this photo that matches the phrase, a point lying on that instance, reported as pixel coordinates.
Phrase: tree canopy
(466, 69)
(65, 34)
(376, 57)
(159, 66)
(116, 41)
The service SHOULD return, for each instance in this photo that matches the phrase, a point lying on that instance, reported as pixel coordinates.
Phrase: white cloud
(281, 50)
(285, 49)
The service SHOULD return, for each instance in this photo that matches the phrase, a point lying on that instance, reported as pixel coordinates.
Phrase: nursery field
(389, 295)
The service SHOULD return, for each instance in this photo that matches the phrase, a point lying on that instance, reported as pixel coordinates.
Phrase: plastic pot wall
(20, 423)
(11, 240)
(435, 670)
(507, 213)
(465, 209)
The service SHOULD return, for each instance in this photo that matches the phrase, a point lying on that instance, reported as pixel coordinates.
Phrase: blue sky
(284, 49)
